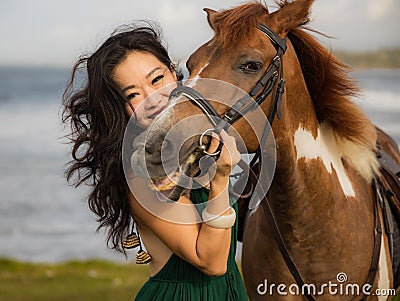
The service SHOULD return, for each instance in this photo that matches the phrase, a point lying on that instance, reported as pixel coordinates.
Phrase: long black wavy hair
(96, 112)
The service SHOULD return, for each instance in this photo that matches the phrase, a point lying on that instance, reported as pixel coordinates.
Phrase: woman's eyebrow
(152, 71)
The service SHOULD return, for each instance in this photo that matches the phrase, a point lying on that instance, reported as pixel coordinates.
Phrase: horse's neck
(300, 139)
(311, 165)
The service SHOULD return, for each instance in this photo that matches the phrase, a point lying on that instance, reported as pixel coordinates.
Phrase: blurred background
(42, 218)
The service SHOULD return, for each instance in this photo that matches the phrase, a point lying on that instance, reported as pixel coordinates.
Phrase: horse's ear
(291, 15)
(211, 14)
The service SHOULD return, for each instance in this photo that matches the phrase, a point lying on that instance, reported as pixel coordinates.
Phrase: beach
(42, 218)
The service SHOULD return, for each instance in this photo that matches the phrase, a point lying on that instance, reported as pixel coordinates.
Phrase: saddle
(389, 185)
(389, 159)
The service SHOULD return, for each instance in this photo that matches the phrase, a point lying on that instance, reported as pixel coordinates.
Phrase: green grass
(74, 280)
(92, 280)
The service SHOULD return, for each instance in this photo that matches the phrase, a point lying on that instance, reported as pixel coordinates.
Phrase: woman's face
(139, 75)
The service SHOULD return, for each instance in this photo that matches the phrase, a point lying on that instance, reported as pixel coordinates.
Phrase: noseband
(247, 103)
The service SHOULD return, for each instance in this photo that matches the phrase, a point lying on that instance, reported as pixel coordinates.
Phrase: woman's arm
(201, 245)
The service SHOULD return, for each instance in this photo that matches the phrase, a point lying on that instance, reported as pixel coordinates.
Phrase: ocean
(42, 218)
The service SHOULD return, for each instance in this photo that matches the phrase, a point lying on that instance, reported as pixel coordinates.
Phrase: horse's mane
(326, 77)
(331, 89)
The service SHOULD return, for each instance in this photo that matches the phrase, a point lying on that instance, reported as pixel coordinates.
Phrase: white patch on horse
(193, 80)
(190, 83)
(383, 281)
(326, 148)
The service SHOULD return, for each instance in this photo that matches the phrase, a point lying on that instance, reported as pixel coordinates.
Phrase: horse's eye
(251, 67)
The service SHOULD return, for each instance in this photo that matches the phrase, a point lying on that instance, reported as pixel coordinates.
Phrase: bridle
(258, 94)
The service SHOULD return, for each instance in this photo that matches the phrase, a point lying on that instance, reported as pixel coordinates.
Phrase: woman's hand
(229, 156)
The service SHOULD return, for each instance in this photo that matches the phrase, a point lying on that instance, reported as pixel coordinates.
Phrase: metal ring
(201, 143)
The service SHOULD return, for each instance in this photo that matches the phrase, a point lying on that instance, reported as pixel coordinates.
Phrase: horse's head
(239, 54)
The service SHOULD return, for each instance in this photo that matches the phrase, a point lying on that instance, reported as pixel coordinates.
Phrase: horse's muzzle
(154, 156)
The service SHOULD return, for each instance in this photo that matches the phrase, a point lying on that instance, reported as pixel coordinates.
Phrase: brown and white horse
(321, 193)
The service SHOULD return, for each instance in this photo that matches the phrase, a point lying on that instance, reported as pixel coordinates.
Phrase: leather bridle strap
(196, 98)
(279, 43)
(289, 261)
(262, 88)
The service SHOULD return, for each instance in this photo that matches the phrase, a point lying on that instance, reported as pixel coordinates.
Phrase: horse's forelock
(235, 25)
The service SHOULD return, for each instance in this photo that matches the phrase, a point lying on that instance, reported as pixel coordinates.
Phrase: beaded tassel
(133, 241)
(142, 257)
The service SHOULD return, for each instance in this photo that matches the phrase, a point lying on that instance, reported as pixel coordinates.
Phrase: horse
(322, 196)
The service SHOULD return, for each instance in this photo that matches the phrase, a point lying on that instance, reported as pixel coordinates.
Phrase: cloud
(380, 9)
(180, 13)
(57, 32)
(358, 25)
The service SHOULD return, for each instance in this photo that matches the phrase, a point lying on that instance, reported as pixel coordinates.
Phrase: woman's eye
(157, 79)
(251, 67)
(131, 96)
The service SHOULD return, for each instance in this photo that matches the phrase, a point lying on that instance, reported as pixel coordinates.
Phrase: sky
(57, 32)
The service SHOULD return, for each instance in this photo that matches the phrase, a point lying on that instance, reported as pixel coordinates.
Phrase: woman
(188, 262)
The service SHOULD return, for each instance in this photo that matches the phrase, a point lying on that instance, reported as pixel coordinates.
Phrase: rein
(262, 89)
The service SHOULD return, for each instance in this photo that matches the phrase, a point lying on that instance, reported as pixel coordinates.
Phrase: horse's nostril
(150, 148)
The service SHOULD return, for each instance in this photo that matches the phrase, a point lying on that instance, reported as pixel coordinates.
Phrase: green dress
(179, 280)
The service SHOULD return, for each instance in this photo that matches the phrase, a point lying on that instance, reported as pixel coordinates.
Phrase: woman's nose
(153, 100)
